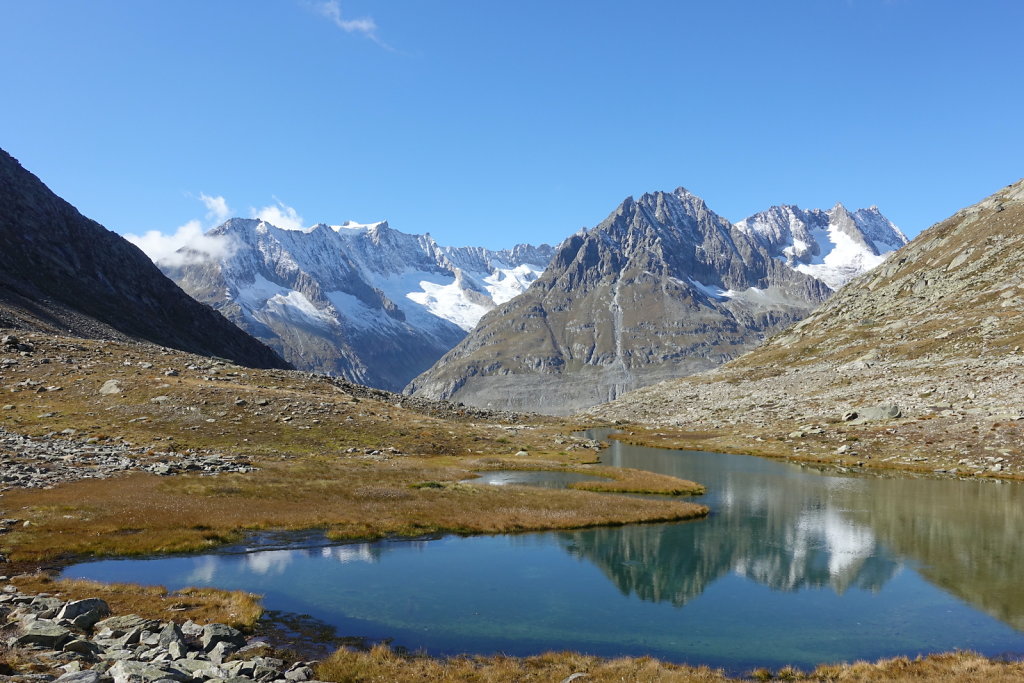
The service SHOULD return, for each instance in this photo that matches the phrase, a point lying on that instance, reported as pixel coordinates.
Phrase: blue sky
(495, 123)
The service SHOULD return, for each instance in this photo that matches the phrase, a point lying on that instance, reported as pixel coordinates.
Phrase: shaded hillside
(62, 272)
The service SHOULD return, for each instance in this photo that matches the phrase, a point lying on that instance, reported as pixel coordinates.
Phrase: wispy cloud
(217, 209)
(166, 250)
(280, 215)
(331, 9)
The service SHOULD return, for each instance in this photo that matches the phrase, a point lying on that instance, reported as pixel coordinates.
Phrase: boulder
(77, 608)
(110, 387)
(126, 671)
(45, 634)
(122, 625)
(221, 633)
(883, 411)
(170, 634)
(82, 647)
(80, 677)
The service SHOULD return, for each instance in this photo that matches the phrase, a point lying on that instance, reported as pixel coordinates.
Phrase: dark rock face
(62, 272)
(662, 288)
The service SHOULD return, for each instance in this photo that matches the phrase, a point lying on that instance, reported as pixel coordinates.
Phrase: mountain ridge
(365, 302)
(63, 272)
(662, 287)
(922, 356)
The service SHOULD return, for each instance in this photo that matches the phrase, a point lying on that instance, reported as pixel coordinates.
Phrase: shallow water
(544, 479)
(792, 567)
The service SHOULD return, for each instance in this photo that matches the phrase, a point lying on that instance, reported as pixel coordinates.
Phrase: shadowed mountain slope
(62, 272)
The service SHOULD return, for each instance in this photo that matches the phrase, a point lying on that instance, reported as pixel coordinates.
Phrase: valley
(388, 523)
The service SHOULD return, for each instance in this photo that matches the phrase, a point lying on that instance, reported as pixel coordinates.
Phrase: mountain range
(663, 287)
(917, 361)
(63, 273)
(361, 301)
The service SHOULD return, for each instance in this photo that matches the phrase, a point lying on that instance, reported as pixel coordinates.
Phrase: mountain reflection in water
(792, 567)
(790, 528)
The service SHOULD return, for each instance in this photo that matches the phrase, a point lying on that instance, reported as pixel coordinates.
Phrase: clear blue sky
(498, 122)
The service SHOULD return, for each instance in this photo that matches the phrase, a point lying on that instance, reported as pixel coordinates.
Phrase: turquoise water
(792, 567)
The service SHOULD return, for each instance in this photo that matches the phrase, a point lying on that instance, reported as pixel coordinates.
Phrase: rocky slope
(78, 641)
(933, 337)
(663, 287)
(61, 272)
(364, 302)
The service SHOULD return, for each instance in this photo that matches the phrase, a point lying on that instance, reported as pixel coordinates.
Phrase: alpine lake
(794, 566)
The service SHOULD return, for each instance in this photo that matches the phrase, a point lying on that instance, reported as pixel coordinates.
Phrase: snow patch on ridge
(833, 246)
(264, 295)
(449, 302)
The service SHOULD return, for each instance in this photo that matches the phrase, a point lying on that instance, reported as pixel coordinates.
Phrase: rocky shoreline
(78, 641)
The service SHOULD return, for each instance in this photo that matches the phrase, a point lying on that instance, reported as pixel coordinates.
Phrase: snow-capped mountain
(662, 288)
(834, 246)
(362, 301)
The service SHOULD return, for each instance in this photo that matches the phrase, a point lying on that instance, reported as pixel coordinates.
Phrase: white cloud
(163, 249)
(364, 25)
(217, 209)
(280, 215)
(167, 249)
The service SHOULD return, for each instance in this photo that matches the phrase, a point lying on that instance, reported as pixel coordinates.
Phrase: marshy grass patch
(202, 605)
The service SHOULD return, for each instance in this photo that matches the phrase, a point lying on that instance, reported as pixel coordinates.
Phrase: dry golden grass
(298, 430)
(953, 667)
(201, 605)
(627, 480)
(349, 498)
(383, 664)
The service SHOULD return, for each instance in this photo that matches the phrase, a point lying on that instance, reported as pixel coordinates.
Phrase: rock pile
(81, 643)
(43, 462)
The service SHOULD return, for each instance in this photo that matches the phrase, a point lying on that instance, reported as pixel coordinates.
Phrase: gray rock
(77, 608)
(126, 671)
(110, 387)
(302, 673)
(219, 652)
(170, 634)
(82, 647)
(194, 666)
(87, 676)
(45, 634)
(177, 650)
(119, 626)
(88, 620)
(884, 411)
(221, 633)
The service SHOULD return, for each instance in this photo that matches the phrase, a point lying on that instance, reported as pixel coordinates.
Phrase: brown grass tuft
(201, 605)
(383, 664)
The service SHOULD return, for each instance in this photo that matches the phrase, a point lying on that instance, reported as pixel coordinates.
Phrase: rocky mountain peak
(929, 341)
(661, 287)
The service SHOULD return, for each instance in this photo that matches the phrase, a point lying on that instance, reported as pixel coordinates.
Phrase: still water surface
(792, 567)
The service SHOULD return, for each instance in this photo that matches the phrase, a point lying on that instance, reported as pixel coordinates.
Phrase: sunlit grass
(201, 605)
